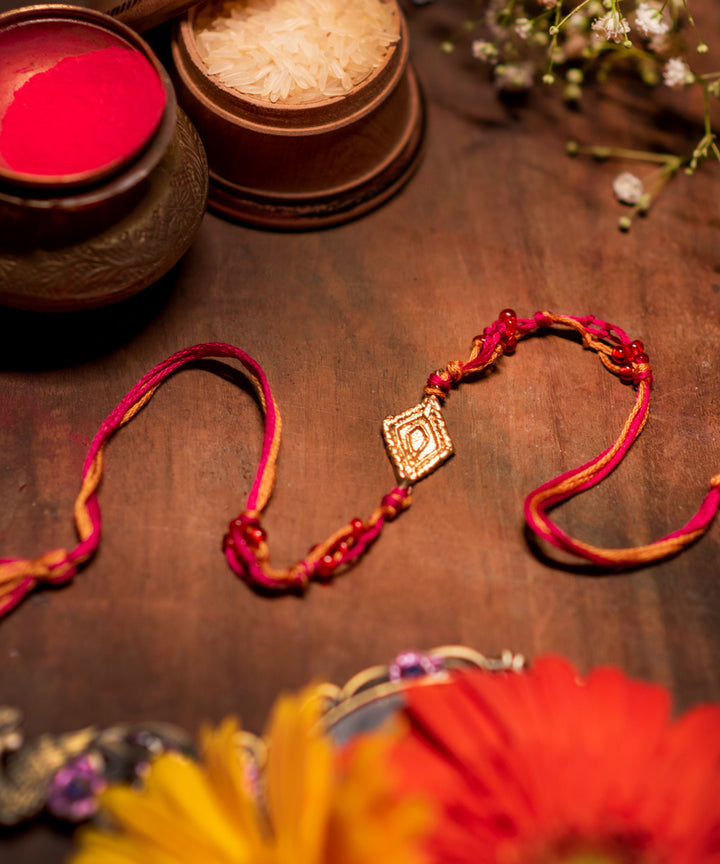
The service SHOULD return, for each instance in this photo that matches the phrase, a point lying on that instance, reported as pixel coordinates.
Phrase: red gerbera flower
(546, 767)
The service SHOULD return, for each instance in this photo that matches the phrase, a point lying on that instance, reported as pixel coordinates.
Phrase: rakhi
(417, 442)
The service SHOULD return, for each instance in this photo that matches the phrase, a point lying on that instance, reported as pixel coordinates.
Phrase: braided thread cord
(245, 544)
(624, 358)
(18, 576)
(248, 554)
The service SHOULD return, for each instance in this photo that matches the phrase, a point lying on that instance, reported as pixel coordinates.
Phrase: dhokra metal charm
(417, 440)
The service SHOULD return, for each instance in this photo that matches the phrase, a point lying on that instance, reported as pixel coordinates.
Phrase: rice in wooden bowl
(309, 110)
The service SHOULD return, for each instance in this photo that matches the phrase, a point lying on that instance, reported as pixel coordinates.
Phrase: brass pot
(90, 239)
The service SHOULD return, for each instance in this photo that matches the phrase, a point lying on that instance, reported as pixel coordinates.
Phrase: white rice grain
(295, 51)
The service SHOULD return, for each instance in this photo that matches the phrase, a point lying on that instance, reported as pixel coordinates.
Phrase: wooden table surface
(347, 323)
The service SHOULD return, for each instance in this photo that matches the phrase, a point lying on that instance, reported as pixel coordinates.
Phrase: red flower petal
(529, 765)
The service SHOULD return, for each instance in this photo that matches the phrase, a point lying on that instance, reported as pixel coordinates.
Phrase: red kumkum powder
(84, 113)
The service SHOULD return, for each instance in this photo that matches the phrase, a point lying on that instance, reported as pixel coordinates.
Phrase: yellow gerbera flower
(316, 806)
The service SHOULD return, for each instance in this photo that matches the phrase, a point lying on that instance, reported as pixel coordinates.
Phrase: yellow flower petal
(226, 776)
(102, 847)
(315, 810)
(299, 778)
(371, 821)
(178, 813)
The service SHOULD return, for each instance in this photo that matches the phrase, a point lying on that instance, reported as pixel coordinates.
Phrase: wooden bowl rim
(281, 117)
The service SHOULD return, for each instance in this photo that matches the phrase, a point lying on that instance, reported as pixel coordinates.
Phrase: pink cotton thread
(245, 544)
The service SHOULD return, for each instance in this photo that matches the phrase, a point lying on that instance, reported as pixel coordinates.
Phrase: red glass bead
(342, 547)
(326, 565)
(617, 355)
(641, 358)
(228, 542)
(255, 535)
(509, 344)
(626, 373)
(357, 526)
(509, 319)
(634, 348)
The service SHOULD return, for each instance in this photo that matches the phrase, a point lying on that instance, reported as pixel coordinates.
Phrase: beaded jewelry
(417, 442)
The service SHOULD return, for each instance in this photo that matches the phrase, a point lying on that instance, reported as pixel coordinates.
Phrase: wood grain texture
(348, 323)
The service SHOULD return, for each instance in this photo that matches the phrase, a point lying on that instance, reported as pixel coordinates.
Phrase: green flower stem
(660, 178)
(669, 164)
(561, 22)
(706, 106)
(702, 47)
(600, 151)
(658, 181)
(553, 31)
(614, 53)
(707, 142)
(691, 20)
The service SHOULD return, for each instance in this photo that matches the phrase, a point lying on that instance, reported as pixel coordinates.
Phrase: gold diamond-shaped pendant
(417, 440)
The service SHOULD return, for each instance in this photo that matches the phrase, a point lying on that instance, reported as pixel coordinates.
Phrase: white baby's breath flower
(649, 20)
(496, 18)
(659, 43)
(548, 4)
(628, 188)
(523, 27)
(612, 26)
(484, 51)
(677, 73)
(514, 76)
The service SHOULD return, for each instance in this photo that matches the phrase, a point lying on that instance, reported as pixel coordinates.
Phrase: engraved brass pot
(80, 244)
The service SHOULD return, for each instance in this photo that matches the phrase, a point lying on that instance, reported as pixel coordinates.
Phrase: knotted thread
(18, 576)
(248, 554)
(245, 545)
(610, 343)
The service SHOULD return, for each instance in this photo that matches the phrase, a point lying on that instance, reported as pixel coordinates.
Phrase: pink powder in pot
(84, 113)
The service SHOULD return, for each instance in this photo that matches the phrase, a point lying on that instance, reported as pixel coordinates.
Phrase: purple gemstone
(75, 788)
(413, 664)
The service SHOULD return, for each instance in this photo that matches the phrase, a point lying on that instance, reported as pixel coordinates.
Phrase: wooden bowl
(290, 166)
